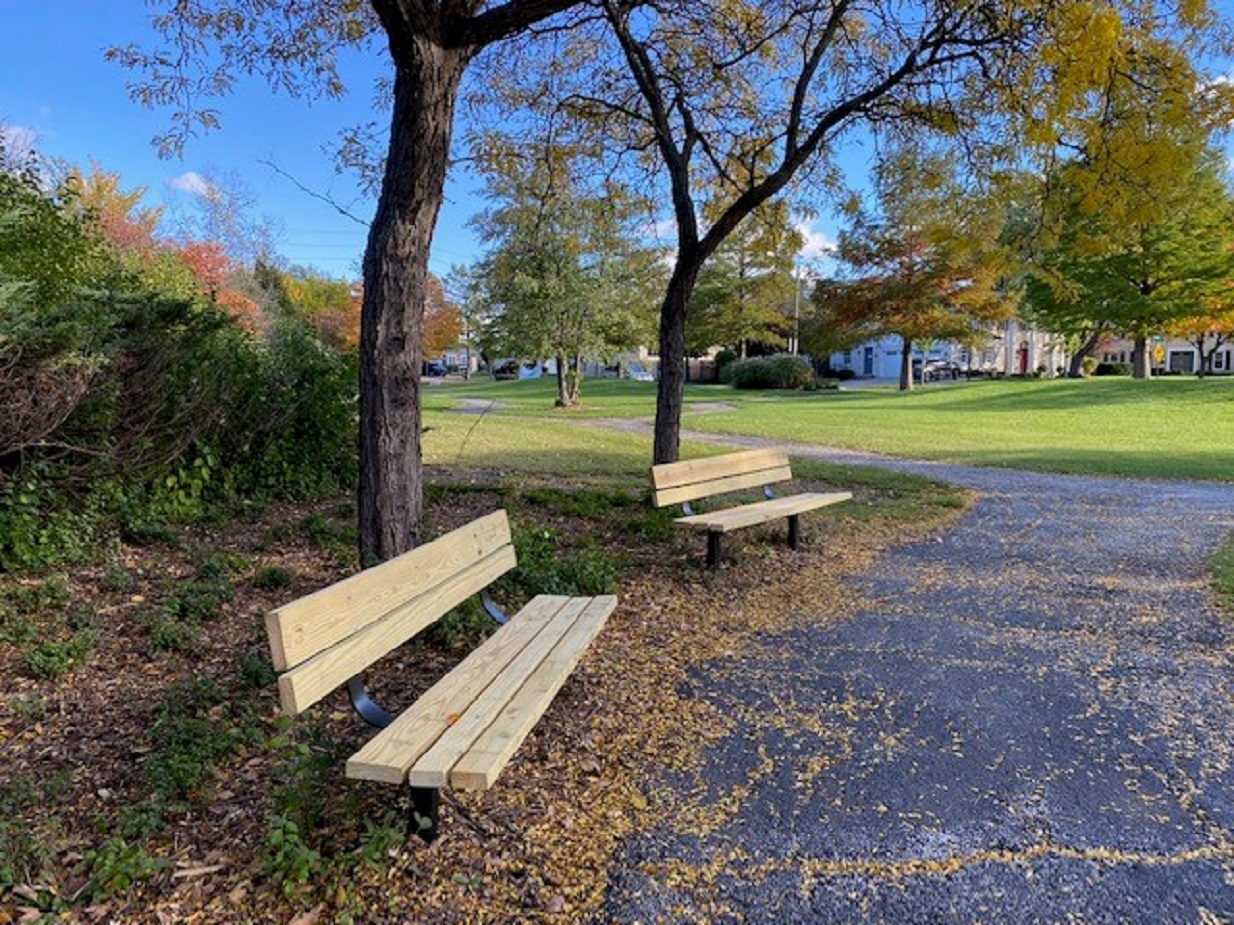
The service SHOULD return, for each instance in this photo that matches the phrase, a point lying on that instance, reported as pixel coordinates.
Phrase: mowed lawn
(1172, 427)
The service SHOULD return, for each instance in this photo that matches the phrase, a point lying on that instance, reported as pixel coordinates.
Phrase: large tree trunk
(906, 366)
(670, 388)
(1142, 366)
(395, 288)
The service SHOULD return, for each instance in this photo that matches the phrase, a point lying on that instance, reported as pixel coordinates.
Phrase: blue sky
(57, 91)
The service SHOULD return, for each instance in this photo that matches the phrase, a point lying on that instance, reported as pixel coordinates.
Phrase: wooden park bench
(683, 482)
(464, 729)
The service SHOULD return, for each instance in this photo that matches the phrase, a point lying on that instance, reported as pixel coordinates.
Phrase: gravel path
(1030, 719)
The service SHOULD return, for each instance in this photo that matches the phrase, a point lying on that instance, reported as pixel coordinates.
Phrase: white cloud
(17, 140)
(815, 244)
(192, 183)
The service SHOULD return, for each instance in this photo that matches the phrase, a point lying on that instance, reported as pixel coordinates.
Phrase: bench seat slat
(748, 515)
(309, 681)
(489, 754)
(432, 769)
(388, 755)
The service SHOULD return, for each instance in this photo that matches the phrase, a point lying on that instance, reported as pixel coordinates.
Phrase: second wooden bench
(683, 482)
(463, 730)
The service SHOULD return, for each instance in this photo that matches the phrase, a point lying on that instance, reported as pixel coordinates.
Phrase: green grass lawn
(1165, 428)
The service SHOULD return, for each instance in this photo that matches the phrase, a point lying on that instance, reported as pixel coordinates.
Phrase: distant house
(1013, 349)
(1168, 355)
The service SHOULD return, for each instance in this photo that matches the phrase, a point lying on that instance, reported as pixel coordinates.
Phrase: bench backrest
(322, 640)
(675, 483)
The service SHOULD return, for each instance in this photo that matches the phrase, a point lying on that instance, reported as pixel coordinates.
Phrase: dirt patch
(86, 753)
(709, 407)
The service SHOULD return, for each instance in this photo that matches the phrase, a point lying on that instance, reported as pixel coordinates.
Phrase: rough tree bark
(431, 44)
(670, 388)
(395, 284)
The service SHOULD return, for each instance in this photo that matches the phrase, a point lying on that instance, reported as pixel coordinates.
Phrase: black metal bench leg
(794, 532)
(425, 813)
(713, 548)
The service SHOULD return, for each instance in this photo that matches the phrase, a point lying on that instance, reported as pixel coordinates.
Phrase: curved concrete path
(1030, 719)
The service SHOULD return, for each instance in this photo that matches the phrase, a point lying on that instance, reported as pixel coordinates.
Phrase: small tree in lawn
(926, 263)
(744, 286)
(565, 276)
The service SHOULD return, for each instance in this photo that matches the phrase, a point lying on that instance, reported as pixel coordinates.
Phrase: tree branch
(500, 22)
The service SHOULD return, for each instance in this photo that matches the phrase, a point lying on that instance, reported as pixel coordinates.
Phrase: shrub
(783, 371)
(53, 658)
(724, 365)
(116, 579)
(1112, 369)
(543, 569)
(273, 578)
(464, 626)
(191, 734)
(167, 634)
(116, 866)
(1088, 366)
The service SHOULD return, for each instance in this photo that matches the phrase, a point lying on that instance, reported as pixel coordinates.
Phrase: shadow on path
(1030, 719)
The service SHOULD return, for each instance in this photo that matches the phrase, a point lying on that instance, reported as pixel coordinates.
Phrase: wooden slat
(721, 486)
(303, 628)
(672, 475)
(432, 769)
(388, 755)
(750, 514)
(489, 754)
(309, 681)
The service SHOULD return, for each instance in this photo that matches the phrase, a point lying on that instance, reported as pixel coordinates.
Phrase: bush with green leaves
(127, 398)
(783, 371)
(543, 569)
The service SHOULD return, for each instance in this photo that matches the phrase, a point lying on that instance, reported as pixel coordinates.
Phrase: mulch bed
(537, 847)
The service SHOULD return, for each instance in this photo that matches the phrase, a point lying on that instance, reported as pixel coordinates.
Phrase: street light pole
(797, 312)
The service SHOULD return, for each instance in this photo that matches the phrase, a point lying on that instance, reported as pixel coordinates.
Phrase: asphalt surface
(1030, 719)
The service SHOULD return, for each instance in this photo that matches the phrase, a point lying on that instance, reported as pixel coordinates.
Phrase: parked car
(505, 369)
(435, 369)
(639, 373)
(938, 370)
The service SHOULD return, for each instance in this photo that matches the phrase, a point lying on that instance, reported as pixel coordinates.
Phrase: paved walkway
(1029, 720)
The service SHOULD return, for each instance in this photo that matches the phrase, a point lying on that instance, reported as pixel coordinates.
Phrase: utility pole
(796, 311)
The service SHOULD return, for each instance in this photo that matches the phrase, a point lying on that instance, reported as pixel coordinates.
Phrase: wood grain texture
(721, 486)
(311, 680)
(388, 755)
(747, 515)
(432, 769)
(305, 627)
(488, 755)
(672, 475)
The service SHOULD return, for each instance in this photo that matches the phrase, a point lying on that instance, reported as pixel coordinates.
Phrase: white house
(1013, 349)
(1169, 355)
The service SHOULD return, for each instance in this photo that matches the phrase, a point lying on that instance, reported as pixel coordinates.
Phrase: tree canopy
(567, 275)
(926, 262)
(723, 104)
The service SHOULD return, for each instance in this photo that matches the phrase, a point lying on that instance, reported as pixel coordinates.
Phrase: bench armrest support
(493, 609)
(363, 704)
